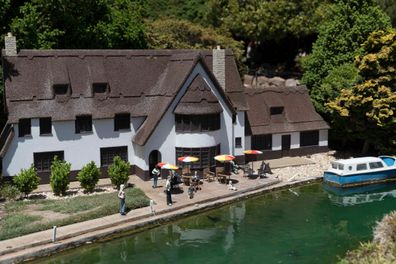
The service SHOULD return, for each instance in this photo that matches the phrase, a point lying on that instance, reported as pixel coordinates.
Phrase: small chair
(208, 175)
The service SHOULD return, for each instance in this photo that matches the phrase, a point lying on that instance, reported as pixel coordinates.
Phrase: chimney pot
(10, 45)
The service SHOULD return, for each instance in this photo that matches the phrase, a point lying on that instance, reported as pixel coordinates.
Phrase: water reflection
(361, 194)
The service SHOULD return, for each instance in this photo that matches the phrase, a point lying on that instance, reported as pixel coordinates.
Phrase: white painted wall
(239, 131)
(165, 138)
(248, 142)
(79, 149)
(323, 137)
(294, 140)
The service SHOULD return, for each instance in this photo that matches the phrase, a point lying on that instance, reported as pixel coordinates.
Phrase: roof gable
(198, 99)
(298, 114)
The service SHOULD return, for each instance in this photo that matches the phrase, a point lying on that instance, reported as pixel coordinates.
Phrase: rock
(291, 82)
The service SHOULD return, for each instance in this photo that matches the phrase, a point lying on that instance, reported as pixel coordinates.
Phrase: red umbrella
(252, 152)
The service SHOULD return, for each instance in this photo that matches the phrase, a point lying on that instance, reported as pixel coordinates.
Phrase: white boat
(361, 171)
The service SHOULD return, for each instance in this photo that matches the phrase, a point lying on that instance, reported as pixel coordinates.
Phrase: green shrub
(59, 180)
(27, 180)
(89, 176)
(119, 171)
(9, 192)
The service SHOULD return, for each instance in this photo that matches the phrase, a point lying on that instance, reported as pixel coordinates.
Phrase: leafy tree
(89, 176)
(341, 77)
(61, 24)
(119, 171)
(59, 179)
(370, 106)
(182, 34)
(27, 180)
(191, 10)
(340, 36)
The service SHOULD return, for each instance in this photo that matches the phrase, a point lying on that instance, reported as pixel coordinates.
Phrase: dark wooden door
(286, 141)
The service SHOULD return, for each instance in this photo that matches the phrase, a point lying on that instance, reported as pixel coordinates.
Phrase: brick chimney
(10, 45)
(219, 65)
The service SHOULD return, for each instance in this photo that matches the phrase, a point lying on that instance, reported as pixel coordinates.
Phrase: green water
(300, 225)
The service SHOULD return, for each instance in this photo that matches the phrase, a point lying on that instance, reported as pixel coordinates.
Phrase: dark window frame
(45, 126)
(122, 121)
(83, 124)
(262, 142)
(100, 88)
(197, 123)
(362, 166)
(43, 160)
(276, 110)
(238, 142)
(107, 155)
(205, 155)
(309, 138)
(61, 89)
(24, 127)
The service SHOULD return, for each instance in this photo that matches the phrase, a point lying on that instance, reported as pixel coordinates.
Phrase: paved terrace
(213, 194)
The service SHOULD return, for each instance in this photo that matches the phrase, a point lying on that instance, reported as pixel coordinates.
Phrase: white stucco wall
(294, 140)
(79, 149)
(239, 131)
(323, 137)
(165, 138)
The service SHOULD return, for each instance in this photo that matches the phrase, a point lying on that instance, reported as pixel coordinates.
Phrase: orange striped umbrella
(169, 166)
(252, 152)
(224, 158)
(188, 159)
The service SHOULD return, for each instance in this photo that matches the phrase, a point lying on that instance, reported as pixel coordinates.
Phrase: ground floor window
(262, 142)
(107, 155)
(43, 160)
(205, 155)
(309, 138)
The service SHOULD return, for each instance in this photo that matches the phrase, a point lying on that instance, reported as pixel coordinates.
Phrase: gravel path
(294, 173)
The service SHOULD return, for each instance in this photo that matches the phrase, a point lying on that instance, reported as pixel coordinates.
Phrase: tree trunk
(366, 146)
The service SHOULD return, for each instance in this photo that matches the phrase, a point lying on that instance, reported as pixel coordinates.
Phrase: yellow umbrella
(224, 158)
(169, 166)
(188, 159)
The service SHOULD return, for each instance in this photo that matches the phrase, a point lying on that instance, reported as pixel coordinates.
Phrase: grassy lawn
(19, 222)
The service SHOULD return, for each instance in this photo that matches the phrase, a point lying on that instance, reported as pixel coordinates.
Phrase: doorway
(154, 158)
(286, 141)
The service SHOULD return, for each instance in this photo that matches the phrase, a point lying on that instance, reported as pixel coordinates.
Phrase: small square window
(83, 124)
(278, 110)
(24, 127)
(100, 87)
(238, 142)
(45, 126)
(61, 89)
(122, 121)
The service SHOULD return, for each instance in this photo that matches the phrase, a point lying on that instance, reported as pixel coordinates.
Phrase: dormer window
(122, 122)
(276, 110)
(83, 124)
(100, 88)
(61, 89)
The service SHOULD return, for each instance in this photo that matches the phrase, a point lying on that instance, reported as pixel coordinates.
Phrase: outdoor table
(186, 179)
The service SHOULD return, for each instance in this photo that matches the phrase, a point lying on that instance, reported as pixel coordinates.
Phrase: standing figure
(121, 195)
(156, 173)
(168, 191)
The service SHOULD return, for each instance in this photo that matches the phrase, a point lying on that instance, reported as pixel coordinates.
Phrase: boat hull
(359, 179)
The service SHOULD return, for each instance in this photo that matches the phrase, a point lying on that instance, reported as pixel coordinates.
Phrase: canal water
(299, 225)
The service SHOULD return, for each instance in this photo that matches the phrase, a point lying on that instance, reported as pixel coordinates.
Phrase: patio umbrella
(169, 166)
(160, 164)
(224, 158)
(188, 159)
(252, 152)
